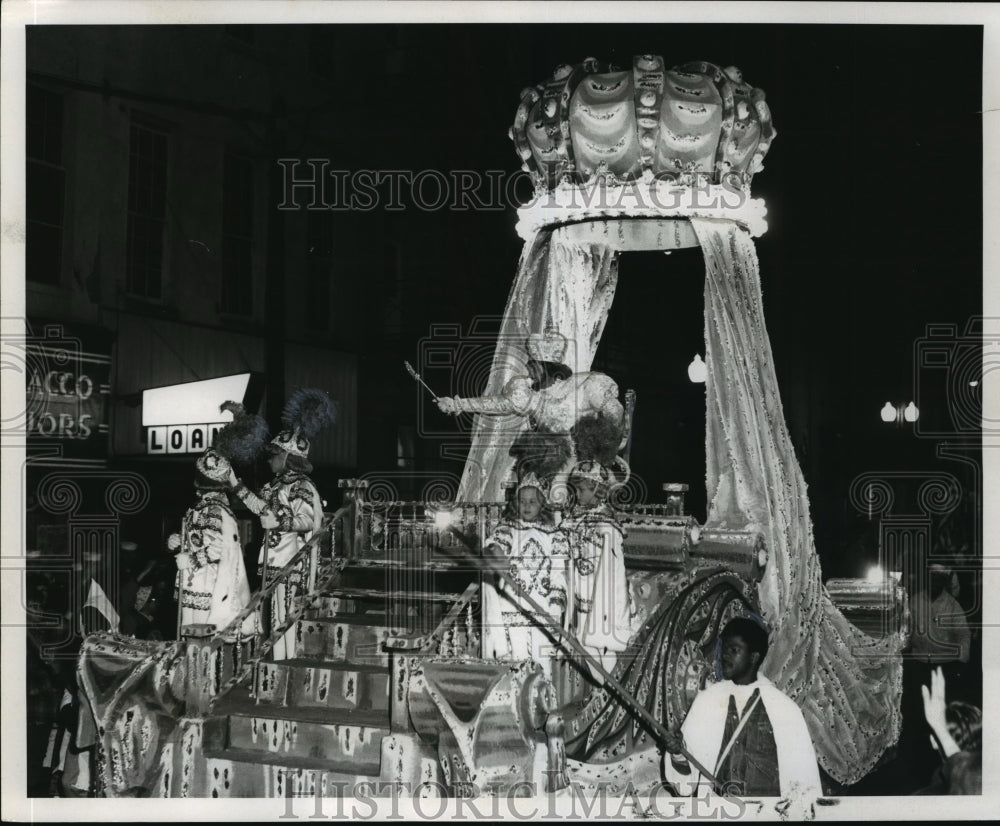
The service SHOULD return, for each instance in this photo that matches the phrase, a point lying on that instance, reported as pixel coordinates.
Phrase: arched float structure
(650, 158)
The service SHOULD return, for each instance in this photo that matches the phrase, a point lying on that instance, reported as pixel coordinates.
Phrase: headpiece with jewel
(548, 346)
(591, 471)
(532, 481)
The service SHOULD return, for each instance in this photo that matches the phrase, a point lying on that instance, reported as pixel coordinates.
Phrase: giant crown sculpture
(642, 129)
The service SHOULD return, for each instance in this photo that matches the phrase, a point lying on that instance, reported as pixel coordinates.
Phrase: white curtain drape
(847, 684)
(563, 285)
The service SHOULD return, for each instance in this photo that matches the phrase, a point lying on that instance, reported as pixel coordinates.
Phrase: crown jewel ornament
(213, 465)
(591, 471)
(530, 480)
(547, 346)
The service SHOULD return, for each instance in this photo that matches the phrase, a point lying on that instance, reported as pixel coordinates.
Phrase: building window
(319, 244)
(237, 235)
(147, 208)
(46, 185)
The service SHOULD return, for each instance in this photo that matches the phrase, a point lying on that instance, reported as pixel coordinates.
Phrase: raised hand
(674, 742)
(447, 404)
(934, 702)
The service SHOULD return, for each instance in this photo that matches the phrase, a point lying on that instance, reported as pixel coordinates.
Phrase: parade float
(387, 684)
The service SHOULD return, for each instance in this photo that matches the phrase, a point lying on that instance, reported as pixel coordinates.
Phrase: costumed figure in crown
(555, 400)
(602, 611)
(535, 557)
(212, 581)
(289, 506)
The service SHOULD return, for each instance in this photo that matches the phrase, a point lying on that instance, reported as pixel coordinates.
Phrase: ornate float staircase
(334, 711)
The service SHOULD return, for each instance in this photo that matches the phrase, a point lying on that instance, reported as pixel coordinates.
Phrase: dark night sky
(873, 188)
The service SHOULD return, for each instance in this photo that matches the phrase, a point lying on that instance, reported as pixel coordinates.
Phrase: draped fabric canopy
(847, 684)
(561, 284)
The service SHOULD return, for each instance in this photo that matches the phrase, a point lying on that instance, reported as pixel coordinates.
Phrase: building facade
(157, 255)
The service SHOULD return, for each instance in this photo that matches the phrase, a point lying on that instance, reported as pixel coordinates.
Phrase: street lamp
(697, 370)
(899, 413)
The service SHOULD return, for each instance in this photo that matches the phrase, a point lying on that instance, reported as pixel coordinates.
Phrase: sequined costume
(211, 576)
(553, 409)
(293, 500)
(537, 558)
(602, 612)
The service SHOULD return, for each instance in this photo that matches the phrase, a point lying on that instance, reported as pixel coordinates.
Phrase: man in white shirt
(743, 729)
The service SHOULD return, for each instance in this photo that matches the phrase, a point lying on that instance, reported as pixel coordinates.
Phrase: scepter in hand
(416, 375)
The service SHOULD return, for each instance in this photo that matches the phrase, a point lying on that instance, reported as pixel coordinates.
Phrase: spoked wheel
(669, 661)
(701, 612)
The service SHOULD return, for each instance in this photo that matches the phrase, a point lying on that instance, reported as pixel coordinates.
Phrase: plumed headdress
(244, 437)
(307, 411)
(596, 438)
(540, 452)
(240, 441)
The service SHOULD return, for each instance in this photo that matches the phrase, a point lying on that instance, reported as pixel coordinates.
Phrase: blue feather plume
(309, 409)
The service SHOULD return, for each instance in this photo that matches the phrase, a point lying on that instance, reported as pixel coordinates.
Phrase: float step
(312, 683)
(354, 638)
(347, 769)
(266, 738)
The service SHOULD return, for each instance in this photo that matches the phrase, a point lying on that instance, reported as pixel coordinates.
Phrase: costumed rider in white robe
(211, 578)
(601, 612)
(752, 736)
(289, 506)
(535, 557)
